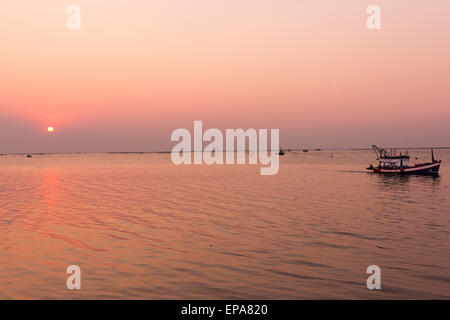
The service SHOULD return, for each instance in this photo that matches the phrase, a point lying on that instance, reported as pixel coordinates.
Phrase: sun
(50, 129)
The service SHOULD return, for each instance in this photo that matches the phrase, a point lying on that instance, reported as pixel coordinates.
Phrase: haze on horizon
(137, 71)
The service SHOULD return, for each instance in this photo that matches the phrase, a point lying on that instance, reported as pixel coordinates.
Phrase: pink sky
(137, 70)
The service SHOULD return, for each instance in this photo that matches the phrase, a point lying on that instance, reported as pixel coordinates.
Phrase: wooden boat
(390, 162)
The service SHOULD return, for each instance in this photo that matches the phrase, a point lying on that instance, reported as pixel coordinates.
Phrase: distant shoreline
(167, 152)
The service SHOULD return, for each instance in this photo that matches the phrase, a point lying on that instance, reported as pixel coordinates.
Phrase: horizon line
(165, 152)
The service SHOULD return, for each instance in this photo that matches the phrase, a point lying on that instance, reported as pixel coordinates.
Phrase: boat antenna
(432, 154)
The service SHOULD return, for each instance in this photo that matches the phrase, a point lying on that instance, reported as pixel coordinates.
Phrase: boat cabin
(401, 161)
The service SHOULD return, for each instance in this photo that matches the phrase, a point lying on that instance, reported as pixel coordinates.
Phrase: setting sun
(50, 129)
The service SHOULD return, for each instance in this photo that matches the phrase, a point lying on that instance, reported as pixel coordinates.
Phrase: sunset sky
(139, 69)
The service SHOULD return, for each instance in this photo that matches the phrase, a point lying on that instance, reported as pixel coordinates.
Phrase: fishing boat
(391, 162)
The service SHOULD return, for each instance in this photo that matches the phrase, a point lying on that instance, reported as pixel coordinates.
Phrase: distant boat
(281, 153)
(29, 155)
(305, 150)
(390, 162)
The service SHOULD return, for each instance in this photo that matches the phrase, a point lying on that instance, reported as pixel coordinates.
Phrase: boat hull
(424, 169)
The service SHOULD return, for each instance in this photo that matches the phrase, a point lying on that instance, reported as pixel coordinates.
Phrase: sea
(140, 227)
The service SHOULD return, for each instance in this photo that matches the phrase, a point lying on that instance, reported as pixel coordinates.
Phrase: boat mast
(381, 153)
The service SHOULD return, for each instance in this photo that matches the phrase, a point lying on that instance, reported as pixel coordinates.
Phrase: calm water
(141, 227)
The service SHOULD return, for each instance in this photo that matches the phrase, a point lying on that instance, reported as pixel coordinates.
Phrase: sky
(137, 70)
